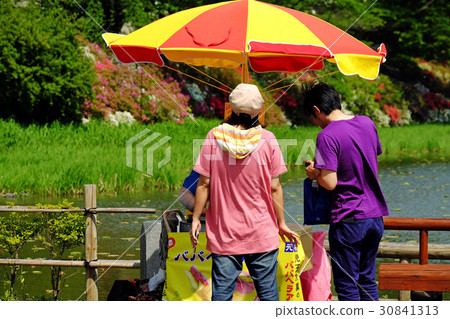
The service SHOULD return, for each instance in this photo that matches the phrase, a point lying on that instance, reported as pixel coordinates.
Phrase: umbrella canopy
(240, 33)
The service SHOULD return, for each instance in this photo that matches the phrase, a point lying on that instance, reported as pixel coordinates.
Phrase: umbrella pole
(245, 73)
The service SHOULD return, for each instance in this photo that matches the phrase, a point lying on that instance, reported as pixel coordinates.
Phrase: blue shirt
(190, 182)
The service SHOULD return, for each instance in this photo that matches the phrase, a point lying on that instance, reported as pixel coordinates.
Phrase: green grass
(59, 159)
(415, 142)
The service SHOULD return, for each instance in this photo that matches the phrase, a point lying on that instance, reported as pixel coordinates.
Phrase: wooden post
(245, 73)
(404, 295)
(90, 201)
(423, 247)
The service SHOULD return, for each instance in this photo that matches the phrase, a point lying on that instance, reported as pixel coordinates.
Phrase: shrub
(140, 90)
(432, 102)
(57, 233)
(358, 96)
(209, 101)
(15, 230)
(44, 75)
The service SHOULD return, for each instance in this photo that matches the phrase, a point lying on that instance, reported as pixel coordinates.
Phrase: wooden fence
(91, 263)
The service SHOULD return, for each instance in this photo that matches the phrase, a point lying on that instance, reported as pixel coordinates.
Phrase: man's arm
(325, 177)
(278, 204)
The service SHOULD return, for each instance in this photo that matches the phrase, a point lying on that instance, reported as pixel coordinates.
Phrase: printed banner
(189, 274)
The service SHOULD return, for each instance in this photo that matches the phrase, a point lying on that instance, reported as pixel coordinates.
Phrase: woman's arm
(201, 197)
(278, 204)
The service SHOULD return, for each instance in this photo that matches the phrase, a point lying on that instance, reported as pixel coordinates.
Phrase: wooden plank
(90, 201)
(34, 209)
(423, 242)
(432, 277)
(42, 262)
(403, 223)
(407, 250)
(404, 295)
(101, 263)
(133, 210)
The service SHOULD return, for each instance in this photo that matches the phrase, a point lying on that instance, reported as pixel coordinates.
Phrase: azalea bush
(380, 99)
(290, 98)
(209, 100)
(439, 108)
(432, 102)
(142, 90)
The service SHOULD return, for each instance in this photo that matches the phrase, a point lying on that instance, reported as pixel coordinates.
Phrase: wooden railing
(404, 276)
(423, 225)
(91, 263)
(423, 251)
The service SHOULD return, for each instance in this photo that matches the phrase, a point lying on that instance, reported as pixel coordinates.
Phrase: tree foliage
(15, 230)
(44, 74)
(57, 233)
(421, 29)
(143, 91)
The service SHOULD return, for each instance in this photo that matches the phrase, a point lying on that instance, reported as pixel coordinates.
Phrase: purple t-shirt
(350, 148)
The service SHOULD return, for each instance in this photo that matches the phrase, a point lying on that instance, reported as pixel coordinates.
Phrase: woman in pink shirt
(239, 166)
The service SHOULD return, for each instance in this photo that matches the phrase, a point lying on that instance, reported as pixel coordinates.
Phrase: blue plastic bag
(316, 209)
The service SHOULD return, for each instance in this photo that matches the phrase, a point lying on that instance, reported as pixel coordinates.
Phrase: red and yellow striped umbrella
(264, 36)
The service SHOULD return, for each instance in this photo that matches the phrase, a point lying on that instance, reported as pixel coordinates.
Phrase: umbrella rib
(209, 76)
(314, 78)
(264, 89)
(193, 77)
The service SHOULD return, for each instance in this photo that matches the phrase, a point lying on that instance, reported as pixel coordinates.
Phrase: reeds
(59, 159)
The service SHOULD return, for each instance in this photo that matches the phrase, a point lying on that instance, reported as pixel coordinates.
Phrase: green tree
(44, 74)
(421, 29)
(142, 12)
(57, 233)
(348, 15)
(15, 230)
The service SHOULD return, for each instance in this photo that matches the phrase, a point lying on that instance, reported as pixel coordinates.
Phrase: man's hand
(312, 172)
(325, 177)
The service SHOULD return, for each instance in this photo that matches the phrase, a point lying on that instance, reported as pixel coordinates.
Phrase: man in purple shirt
(346, 164)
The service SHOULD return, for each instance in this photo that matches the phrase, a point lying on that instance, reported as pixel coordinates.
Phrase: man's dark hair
(322, 95)
(243, 119)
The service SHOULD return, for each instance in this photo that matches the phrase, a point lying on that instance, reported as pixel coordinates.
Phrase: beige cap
(246, 98)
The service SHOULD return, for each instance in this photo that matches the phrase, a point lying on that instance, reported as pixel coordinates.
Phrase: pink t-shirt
(241, 218)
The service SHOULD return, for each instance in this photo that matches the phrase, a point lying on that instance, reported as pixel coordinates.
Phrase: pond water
(411, 190)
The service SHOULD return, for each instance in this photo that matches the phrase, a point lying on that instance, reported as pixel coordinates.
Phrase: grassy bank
(59, 159)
